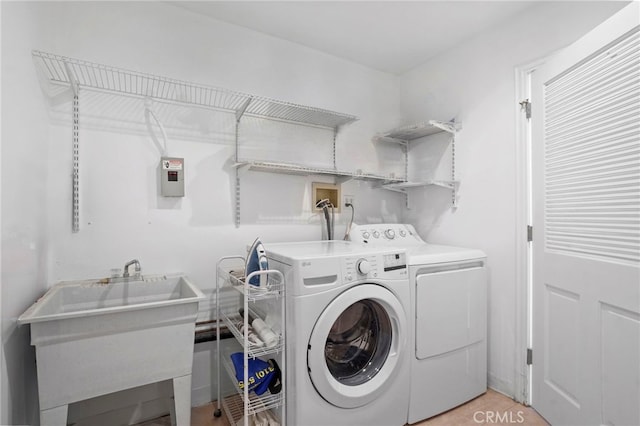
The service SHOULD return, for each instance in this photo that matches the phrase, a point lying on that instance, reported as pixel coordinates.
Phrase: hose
(148, 114)
(332, 221)
(348, 230)
(324, 204)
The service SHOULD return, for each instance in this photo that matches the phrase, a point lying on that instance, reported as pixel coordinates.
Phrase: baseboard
(501, 386)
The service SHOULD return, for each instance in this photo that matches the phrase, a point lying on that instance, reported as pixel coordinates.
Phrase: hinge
(529, 233)
(526, 107)
(529, 356)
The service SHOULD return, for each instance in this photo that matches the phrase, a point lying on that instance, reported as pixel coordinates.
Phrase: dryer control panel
(386, 235)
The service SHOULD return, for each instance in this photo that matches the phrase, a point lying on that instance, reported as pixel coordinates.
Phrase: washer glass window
(358, 343)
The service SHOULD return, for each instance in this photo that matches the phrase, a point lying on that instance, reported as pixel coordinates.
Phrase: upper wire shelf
(62, 70)
(237, 280)
(416, 131)
(403, 186)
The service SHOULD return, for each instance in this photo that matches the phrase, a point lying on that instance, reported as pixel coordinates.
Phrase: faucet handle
(138, 269)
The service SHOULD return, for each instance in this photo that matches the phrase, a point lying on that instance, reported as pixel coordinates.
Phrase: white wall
(121, 216)
(25, 142)
(474, 83)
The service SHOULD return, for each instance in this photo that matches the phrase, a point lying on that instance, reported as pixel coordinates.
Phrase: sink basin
(94, 337)
(72, 299)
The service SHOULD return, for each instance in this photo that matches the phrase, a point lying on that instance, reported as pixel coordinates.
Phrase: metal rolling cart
(236, 302)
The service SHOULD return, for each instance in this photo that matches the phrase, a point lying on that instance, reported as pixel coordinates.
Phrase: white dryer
(449, 318)
(347, 308)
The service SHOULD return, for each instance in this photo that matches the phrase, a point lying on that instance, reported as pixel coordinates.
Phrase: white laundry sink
(94, 337)
(73, 299)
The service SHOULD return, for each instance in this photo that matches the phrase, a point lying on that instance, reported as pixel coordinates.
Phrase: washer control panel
(388, 265)
(361, 267)
(386, 234)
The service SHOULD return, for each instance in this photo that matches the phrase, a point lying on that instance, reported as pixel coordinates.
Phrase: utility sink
(99, 336)
(72, 299)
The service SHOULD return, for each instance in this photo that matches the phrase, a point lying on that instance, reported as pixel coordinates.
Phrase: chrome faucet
(126, 268)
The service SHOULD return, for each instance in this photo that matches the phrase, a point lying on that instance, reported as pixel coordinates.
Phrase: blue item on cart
(260, 373)
(257, 261)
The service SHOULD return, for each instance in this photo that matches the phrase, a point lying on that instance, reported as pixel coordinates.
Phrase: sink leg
(56, 416)
(181, 410)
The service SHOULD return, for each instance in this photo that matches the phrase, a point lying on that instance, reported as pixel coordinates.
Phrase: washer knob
(402, 233)
(376, 234)
(366, 235)
(390, 234)
(363, 266)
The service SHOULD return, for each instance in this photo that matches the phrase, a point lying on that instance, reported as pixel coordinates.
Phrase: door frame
(524, 261)
(524, 250)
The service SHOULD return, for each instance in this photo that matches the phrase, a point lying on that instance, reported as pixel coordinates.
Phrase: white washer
(449, 311)
(347, 308)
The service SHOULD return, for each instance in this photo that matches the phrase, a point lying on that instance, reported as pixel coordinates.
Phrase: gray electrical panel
(172, 177)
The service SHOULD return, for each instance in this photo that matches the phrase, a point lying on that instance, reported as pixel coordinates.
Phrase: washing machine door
(356, 346)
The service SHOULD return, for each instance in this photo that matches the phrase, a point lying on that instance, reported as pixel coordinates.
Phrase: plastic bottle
(264, 332)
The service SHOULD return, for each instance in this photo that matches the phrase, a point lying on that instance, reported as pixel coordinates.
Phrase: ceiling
(390, 36)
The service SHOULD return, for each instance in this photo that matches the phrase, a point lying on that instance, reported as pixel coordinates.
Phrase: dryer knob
(363, 266)
(390, 234)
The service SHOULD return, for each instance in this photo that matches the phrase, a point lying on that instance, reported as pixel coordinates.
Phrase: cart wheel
(217, 413)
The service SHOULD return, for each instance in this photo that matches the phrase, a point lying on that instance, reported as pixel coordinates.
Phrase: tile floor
(492, 408)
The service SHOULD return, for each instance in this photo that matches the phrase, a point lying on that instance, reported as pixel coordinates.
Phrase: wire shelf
(61, 70)
(416, 131)
(235, 277)
(402, 186)
(234, 409)
(256, 403)
(403, 136)
(252, 350)
(296, 169)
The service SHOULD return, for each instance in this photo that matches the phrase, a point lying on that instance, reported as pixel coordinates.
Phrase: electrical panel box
(172, 177)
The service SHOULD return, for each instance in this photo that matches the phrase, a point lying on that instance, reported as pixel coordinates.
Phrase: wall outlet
(348, 199)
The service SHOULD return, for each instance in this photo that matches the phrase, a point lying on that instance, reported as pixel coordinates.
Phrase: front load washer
(347, 308)
(448, 324)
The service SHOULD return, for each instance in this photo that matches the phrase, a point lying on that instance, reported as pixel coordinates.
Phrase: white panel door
(586, 242)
